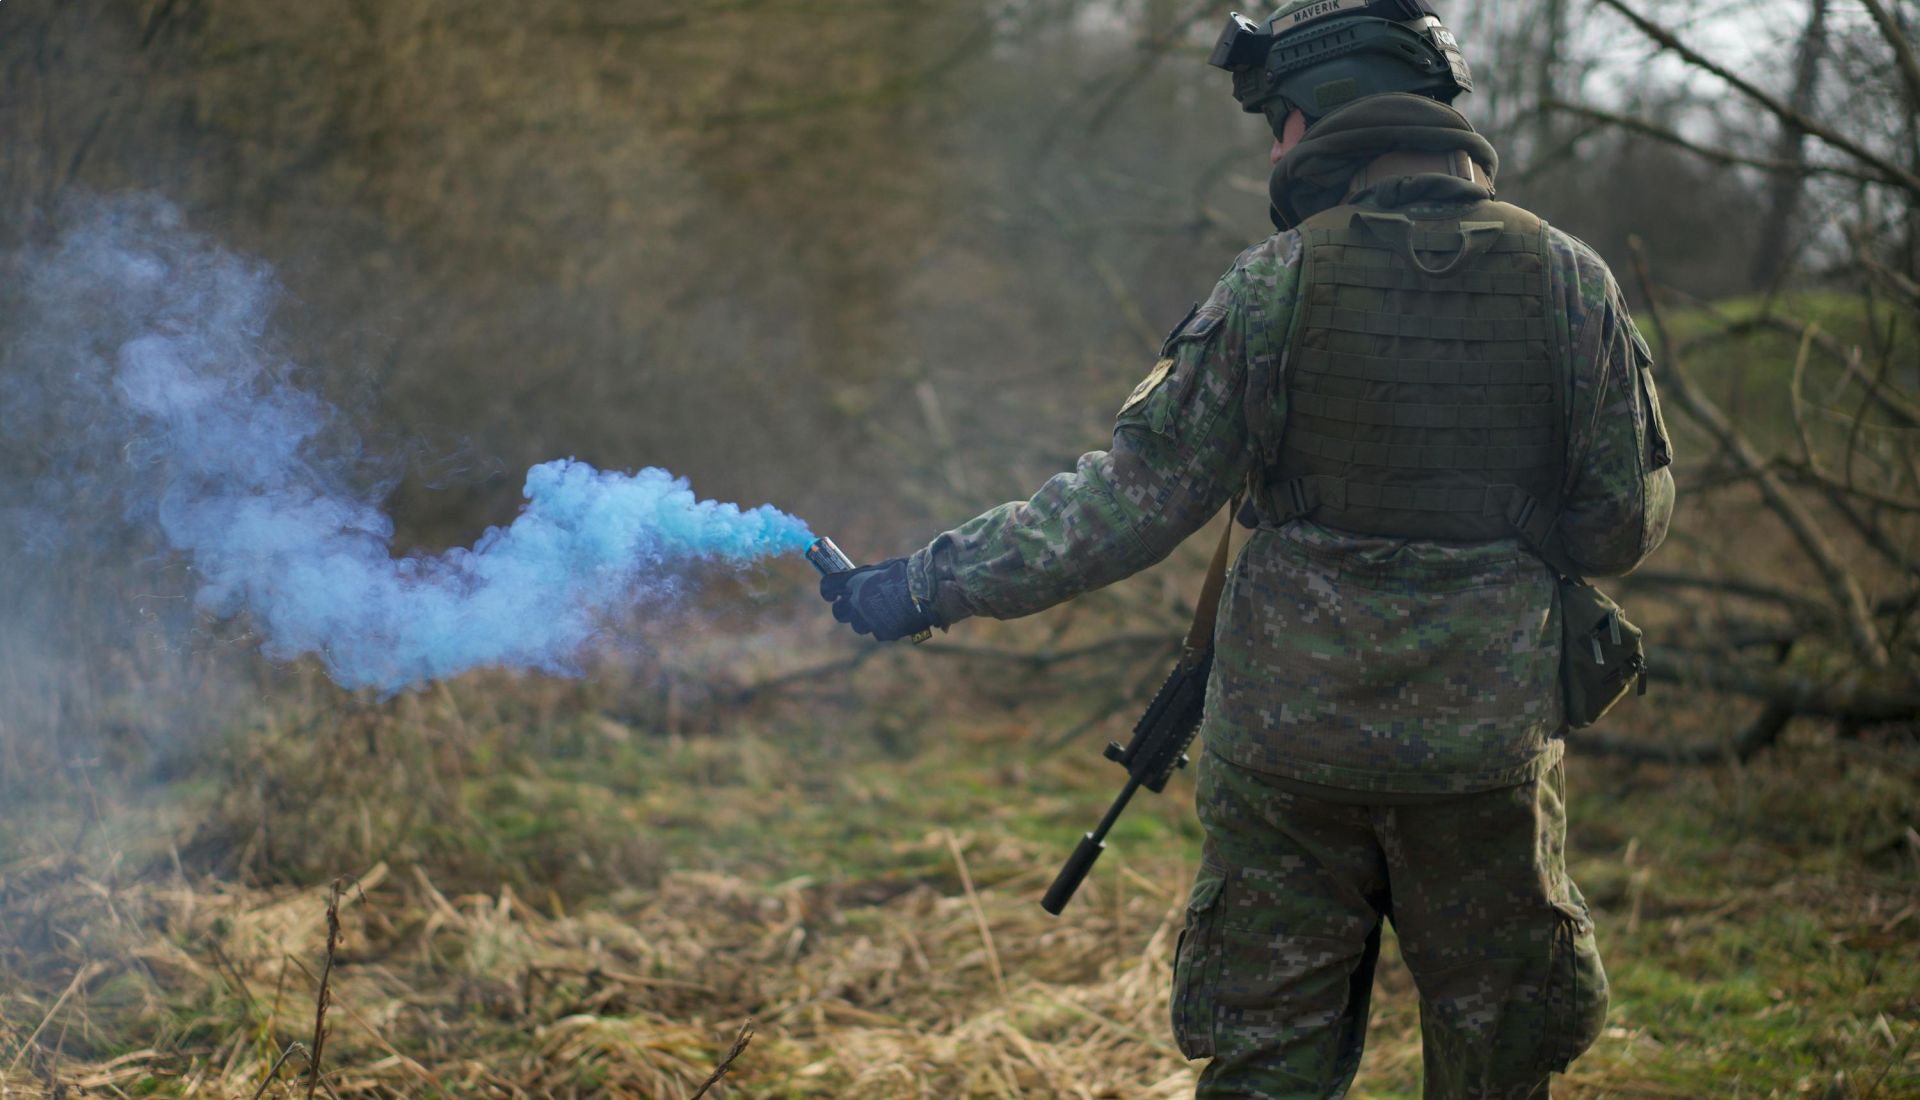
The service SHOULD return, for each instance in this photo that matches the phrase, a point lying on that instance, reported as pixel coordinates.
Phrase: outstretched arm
(1179, 452)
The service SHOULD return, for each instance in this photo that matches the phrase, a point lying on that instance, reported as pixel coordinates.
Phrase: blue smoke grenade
(244, 474)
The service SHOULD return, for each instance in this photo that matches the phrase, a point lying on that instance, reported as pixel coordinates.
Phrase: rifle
(1161, 737)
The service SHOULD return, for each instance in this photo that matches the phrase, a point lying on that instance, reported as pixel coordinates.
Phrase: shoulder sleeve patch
(1150, 383)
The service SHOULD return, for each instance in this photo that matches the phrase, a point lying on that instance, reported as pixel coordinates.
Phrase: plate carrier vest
(1424, 378)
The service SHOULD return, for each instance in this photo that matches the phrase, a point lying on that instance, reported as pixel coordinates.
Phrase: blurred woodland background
(884, 264)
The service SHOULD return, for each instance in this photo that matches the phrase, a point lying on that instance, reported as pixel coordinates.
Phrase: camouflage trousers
(1275, 967)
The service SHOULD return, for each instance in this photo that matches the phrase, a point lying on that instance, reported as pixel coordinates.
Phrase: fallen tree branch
(1760, 733)
(1891, 173)
(1800, 606)
(1851, 602)
(1844, 697)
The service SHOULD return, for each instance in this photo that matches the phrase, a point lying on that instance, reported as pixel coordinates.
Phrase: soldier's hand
(873, 599)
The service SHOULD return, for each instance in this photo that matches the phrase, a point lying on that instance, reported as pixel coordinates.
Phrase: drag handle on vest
(830, 559)
(1156, 750)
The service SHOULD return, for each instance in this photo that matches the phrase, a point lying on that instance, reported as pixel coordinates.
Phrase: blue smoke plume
(157, 342)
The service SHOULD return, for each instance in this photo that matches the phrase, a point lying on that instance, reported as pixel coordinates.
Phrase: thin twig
(890, 90)
(281, 1061)
(1797, 400)
(1890, 401)
(1896, 37)
(1906, 288)
(1892, 173)
(1850, 601)
(84, 975)
(321, 997)
(1155, 49)
(1072, 733)
(1898, 555)
(226, 969)
(1818, 477)
(1649, 129)
(1893, 1058)
(979, 917)
(1883, 351)
(373, 1033)
(740, 1042)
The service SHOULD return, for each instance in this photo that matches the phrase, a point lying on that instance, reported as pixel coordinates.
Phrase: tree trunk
(1783, 194)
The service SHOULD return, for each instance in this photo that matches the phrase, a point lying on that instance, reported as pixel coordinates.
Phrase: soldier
(1427, 395)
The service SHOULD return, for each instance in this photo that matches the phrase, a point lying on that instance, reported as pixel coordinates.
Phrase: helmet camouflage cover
(1315, 55)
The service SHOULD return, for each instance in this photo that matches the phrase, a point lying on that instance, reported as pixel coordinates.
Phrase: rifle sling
(1206, 611)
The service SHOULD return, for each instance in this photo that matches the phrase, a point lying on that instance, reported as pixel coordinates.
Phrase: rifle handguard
(1161, 737)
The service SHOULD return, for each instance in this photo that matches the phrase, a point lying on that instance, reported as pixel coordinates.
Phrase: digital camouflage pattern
(1369, 664)
(1275, 965)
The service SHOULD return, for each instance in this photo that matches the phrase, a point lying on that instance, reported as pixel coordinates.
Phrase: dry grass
(636, 997)
(1759, 923)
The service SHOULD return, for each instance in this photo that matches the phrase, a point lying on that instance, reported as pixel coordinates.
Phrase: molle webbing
(1423, 388)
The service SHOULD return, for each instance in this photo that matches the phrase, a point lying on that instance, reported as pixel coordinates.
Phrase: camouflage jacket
(1368, 664)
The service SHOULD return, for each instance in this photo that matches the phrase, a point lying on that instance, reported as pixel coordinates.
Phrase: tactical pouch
(1601, 654)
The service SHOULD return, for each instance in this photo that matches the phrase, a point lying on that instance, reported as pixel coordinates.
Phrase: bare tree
(1831, 632)
(1784, 191)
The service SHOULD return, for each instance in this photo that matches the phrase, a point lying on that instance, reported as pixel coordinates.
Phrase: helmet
(1315, 55)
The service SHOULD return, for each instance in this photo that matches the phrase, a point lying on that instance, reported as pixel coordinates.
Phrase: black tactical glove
(873, 599)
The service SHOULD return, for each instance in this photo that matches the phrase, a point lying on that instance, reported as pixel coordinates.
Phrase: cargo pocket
(1576, 986)
(1196, 966)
